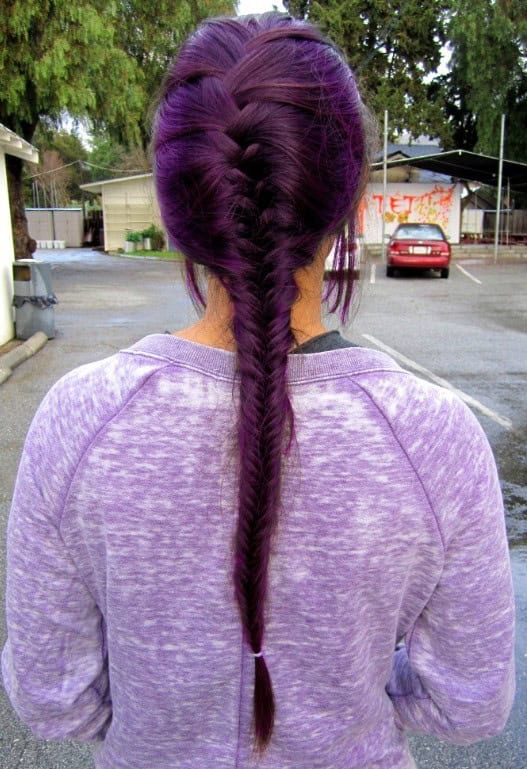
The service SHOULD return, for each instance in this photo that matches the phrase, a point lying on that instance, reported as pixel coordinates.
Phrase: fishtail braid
(260, 154)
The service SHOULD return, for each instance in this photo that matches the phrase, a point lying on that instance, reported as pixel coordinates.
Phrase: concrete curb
(18, 355)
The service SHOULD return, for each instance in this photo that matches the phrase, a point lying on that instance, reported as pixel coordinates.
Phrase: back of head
(259, 154)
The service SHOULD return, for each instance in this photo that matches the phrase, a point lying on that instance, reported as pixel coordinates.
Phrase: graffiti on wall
(405, 203)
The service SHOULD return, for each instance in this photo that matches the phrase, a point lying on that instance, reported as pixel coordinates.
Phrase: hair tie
(260, 654)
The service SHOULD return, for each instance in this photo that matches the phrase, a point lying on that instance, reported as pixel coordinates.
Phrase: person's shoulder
(410, 402)
(82, 401)
(432, 423)
(443, 442)
(103, 384)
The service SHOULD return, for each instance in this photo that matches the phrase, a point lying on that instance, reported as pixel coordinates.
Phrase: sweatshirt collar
(300, 368)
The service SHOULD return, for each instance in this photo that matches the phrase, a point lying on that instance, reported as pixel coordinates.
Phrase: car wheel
(390, 272)
(445, 273)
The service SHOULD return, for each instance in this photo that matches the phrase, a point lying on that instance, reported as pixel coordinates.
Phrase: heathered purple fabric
(122, 622)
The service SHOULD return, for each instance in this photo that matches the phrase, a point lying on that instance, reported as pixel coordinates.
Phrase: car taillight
(398, 247)
(442, 249)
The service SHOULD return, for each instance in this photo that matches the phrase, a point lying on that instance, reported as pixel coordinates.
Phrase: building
(128, 203)
(10, 144)
(412, 195)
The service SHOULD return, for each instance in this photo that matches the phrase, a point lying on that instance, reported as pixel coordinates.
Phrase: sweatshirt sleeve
(454, 676)
(54, 664)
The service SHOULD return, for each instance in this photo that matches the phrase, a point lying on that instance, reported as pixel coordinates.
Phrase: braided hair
(259, 154)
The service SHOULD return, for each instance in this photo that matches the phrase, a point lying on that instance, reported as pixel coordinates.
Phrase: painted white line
(468, 399)
(467, 273)
(372, 273)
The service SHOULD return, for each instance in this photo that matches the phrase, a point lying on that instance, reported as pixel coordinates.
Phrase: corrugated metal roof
(469, 166)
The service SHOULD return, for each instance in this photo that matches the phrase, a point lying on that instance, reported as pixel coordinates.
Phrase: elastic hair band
(260, 654)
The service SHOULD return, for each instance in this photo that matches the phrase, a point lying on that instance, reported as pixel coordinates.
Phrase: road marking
(467, 273)
(372, 273)
(468, 399)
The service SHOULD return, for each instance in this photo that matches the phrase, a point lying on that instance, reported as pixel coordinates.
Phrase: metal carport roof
(468, 166)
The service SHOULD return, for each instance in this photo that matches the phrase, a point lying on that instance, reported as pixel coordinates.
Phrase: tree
(53, 183)
(60, 171)
(91, 58)
(488, 74)
(108, 158)
(151, 32)
(57, 55)
(394, 47)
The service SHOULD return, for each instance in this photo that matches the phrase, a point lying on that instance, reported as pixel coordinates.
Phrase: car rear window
(418, 232)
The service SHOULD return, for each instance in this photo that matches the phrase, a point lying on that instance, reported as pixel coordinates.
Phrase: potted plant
(131, 240)
(148, 234)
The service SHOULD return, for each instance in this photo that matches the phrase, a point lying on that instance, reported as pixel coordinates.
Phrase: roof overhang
(467, 166)
(96, 187)
(12, 144)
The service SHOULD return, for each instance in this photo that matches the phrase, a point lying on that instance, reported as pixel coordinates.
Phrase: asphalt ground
(470, 331)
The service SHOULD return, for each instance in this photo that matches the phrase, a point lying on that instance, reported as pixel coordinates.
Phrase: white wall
(414, 202)
(7, 257)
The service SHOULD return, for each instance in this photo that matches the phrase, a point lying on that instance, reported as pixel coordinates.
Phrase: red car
(419, 246)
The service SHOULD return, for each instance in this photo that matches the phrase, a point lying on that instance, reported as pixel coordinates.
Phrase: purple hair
(260, 153)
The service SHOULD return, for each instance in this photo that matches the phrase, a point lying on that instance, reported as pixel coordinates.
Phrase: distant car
(418, 246)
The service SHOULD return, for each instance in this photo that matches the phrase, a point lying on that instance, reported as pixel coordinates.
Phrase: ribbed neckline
(300, 368)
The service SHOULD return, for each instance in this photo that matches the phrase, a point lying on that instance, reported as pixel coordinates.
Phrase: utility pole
(384, 184)
(498, 204)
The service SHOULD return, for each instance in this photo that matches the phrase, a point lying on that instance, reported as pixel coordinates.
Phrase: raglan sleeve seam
(91, 441)
(408, 459)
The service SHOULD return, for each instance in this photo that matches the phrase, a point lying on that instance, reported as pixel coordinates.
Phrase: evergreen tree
(89, 58)
(394, 46)
(58, 55)
(488, 74)
(151, 32)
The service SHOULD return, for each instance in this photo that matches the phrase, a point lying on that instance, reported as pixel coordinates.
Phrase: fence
(56, 224)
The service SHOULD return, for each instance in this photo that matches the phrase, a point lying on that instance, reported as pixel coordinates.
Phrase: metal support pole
(498, 204)
(508, 209)
(384, 184)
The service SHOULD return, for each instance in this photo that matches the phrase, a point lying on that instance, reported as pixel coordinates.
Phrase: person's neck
(214, 329)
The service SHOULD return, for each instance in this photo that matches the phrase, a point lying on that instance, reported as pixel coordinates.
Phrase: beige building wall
(7, 257)
(129, 204)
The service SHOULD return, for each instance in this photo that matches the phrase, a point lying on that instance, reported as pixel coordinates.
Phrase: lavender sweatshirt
(122, 623)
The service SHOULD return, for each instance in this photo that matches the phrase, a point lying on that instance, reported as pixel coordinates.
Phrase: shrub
(158, 238)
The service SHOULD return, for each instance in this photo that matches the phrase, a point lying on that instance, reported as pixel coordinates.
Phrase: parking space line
(468, 399)
(467, 273)
(372, 273)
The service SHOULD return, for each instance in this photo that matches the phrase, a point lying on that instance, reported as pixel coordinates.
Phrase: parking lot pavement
(471, 332)
(468, 330)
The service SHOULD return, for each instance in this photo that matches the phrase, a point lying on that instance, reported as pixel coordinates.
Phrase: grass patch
(173, 256)
(161, 254)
